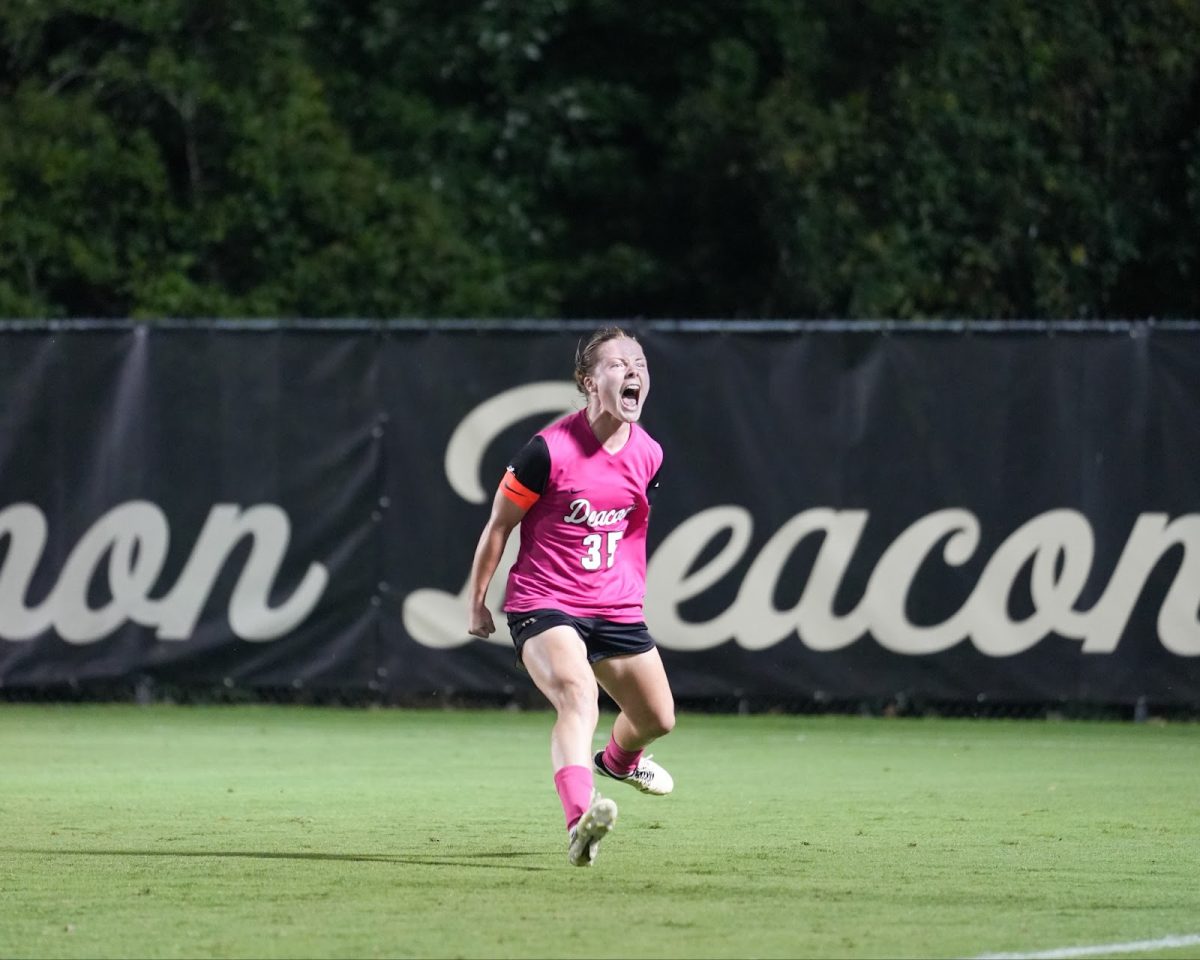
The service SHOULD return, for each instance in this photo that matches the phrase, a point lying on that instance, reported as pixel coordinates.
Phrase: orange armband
(517, 492)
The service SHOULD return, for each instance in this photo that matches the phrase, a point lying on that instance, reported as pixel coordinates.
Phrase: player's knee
(579, 697)
(661, 722)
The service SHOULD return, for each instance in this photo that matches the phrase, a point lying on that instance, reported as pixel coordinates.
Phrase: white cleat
(592, 827)
(649, 777)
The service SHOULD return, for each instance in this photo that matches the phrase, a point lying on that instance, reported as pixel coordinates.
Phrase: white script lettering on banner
(1056, 548)
(1059, 544)
(134, 537)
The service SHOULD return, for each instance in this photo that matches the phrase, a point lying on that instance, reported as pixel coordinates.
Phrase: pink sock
(574, 786)
(620, 761)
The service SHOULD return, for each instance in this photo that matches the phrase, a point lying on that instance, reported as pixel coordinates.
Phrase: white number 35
(594, 543)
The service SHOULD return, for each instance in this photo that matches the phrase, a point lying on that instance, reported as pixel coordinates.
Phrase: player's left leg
(638, 685)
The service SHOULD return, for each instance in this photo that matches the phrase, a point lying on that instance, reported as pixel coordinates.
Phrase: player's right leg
(556, 660)
(583, 839)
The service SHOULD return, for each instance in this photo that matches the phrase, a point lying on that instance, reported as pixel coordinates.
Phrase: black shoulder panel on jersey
(531, 465)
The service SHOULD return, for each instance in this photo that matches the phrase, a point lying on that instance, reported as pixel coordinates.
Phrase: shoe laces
(643, 771)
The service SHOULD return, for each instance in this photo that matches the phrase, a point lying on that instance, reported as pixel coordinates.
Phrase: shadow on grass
(442, 860)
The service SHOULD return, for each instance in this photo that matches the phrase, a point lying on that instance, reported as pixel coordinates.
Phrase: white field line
(1100, 949)
(907, 739)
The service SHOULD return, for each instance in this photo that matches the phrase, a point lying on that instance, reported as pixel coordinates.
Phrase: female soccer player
(581, 492)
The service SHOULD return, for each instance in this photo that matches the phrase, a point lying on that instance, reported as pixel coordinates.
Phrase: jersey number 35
(594, 543)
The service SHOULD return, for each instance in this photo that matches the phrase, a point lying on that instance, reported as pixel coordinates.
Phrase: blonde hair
(585, 352)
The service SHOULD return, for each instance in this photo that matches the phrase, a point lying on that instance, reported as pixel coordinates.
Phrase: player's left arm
(652, 487)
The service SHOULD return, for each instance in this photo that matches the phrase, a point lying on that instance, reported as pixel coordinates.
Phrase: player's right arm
(519, 489)
(506, 514)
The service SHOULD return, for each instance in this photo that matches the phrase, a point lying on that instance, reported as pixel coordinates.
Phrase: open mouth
(631, 395)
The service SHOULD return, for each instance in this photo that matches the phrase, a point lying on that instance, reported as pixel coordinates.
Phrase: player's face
(620, 379)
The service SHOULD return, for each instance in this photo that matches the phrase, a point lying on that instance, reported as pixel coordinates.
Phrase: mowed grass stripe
(301, 832)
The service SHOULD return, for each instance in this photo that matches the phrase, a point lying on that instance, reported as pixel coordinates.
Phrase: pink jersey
(583, 540)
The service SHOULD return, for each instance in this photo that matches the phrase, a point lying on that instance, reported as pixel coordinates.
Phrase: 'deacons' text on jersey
(583, 539)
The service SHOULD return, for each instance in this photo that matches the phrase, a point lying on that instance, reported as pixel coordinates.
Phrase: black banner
(853, 511)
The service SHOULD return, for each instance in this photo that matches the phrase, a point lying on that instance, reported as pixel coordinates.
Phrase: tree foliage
(597, 158)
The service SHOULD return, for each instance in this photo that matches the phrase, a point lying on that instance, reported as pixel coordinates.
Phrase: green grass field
(312, 832)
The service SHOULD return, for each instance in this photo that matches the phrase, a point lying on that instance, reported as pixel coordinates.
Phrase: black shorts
(603, 638)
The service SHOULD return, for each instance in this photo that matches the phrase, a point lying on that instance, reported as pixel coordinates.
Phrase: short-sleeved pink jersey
(583, 540)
